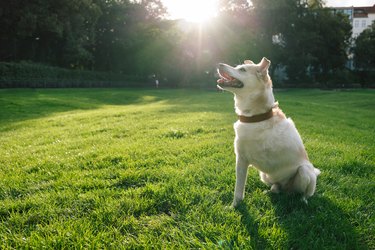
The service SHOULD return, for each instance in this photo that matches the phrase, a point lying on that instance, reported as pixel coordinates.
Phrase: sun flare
(197, 11)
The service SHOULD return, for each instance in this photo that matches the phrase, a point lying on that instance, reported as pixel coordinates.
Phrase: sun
(197, 11)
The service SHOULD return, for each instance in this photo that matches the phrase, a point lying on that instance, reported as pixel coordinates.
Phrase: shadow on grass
(319, 225)
(249, 221)
(23, 104)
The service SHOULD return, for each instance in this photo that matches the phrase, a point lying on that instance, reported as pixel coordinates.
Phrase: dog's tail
(305, 180)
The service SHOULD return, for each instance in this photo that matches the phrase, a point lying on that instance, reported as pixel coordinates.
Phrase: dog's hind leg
(241, 175)
(264, 178)
(275, 187)
(305, 180)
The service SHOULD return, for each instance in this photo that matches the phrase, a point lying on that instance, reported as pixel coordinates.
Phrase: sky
(192, 10)
(200, 11)
(347, 3)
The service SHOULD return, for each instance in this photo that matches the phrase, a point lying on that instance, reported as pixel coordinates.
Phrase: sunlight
(192, 10)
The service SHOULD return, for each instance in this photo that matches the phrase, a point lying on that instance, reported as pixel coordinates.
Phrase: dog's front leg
(241, 176)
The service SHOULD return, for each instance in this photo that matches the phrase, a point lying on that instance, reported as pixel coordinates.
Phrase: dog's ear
(264, 65)
(248, 62)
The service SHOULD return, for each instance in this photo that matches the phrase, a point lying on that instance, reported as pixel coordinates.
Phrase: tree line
(305, 41)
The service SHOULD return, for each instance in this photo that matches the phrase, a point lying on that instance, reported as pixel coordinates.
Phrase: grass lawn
(128, 168)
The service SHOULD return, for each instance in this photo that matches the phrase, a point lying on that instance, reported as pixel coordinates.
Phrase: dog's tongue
(224, 77)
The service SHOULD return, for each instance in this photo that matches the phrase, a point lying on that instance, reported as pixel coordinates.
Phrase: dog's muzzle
(226, 80)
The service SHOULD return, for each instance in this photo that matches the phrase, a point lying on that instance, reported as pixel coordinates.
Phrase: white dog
(265, 138)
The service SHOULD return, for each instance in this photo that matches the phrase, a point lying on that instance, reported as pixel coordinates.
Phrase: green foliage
(132, 37)
(57, 32)
(133, 169)
(364, 50)
(313, 39)
(73, 34)
(364, 56)
(21, 75)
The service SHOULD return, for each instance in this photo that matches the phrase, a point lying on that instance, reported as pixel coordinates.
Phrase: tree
(55, 32)
(123, 30)
(364, 50)
(316, 45)
(235, 32)
(131, 37)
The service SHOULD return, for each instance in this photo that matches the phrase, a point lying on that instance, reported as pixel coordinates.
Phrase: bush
(31, 75)
(342, 78)
(366, 78)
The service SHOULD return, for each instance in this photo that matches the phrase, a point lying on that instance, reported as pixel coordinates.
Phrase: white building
(360, 17)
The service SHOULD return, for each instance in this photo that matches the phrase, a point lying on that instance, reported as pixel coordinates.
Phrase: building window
(363, 23)
(356, 23)
(348, 12)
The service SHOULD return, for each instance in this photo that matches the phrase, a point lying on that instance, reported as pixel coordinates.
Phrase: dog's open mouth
(227, 80)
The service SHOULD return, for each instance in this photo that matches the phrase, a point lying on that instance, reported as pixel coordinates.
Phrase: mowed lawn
(133, 168)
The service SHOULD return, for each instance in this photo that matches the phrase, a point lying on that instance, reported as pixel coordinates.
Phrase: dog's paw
(304, 200)
(275, 188)
(236, 202)
(229, 208)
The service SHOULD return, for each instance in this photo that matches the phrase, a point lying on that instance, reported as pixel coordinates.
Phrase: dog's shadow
(320, 224)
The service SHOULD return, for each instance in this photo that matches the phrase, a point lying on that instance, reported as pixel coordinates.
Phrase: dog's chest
(268, 145)
(256, 141)
(254, 133)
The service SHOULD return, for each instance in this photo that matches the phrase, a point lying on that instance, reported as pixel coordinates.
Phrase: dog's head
(244, 78)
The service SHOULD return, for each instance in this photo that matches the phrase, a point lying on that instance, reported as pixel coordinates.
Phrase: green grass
(125, 168)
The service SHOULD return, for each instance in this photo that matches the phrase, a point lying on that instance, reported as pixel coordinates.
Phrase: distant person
(157, 83)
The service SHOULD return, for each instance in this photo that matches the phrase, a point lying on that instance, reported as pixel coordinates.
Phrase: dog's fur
(272, 146)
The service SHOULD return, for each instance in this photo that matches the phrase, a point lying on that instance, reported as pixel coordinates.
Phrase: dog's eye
(243, 69)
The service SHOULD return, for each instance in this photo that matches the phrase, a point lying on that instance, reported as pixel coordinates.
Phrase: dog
(264, 137)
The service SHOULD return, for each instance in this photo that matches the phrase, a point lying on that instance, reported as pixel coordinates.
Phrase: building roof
(364, 11)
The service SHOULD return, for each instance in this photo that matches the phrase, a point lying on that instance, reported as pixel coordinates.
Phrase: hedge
(31, 75)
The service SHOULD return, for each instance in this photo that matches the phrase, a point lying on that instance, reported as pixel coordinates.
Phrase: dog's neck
(254, 103)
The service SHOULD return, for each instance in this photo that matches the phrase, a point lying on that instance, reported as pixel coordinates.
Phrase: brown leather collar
(256, 118)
